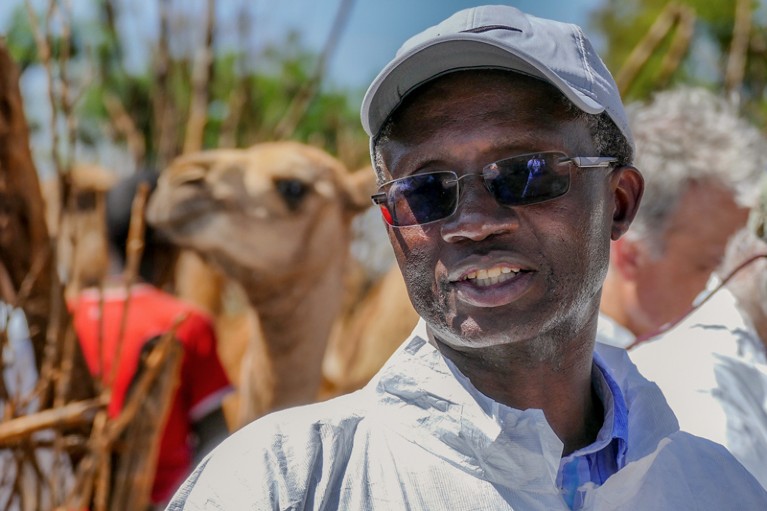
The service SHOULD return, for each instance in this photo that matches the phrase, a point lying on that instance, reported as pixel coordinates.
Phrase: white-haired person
(701, 162)
(712, 366)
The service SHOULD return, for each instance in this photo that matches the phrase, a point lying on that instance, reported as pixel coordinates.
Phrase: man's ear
(628, 186)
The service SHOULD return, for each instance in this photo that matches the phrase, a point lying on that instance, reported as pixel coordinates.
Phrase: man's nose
(478, 215)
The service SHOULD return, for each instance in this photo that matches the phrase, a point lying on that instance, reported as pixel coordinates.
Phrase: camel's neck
(295, 322)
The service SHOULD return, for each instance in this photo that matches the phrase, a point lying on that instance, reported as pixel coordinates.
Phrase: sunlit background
(337, 46)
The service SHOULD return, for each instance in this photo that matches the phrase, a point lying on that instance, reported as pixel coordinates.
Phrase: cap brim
(460, 52)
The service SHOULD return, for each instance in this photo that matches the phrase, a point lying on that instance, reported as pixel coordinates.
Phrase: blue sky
(374, 30)
(377, 28)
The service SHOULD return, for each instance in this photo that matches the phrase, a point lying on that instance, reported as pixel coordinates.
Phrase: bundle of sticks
(59, 447)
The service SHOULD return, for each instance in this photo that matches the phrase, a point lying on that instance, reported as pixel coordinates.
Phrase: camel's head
(270, 208)
(79, 224)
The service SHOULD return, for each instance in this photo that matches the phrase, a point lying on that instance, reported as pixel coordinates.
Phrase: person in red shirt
(195, 422)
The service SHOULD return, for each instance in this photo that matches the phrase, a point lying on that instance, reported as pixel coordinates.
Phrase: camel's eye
(292, 191)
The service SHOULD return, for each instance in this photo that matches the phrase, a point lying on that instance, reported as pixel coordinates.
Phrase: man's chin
(469, 336)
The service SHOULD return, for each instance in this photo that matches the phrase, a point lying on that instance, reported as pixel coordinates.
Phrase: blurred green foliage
(623, 24)
(249, 91)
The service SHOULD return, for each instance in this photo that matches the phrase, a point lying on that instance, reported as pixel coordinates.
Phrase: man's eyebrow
(487, 28)
(426, 163)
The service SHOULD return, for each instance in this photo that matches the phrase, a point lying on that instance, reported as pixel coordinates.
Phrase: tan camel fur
(376, 322)
(276, 219)
(80, 227)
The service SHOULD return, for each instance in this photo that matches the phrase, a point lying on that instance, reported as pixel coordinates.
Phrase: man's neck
(560, 386)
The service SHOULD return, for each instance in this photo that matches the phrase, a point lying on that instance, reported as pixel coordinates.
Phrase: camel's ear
(359, 186)
(207, 157)
(194, 166)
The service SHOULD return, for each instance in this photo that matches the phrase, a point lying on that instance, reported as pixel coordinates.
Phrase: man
(721, 349)
(504, 156)
(695, 198)
(195, 422)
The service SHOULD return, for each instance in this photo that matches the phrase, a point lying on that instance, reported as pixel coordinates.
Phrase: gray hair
(690, 135)
(743, 245)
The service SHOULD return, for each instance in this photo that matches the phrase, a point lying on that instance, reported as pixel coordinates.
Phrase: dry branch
(110, 19)
(736, 60)
(227, 136)
(72, 415)
(43, 42)
(135, 472)
(125, 126)
(201, 74)
(134, 250)
(679, 44)
(303, 98)
(26, 239)
(65, 93)
(26, 252)
(639, 56)
(162, 103)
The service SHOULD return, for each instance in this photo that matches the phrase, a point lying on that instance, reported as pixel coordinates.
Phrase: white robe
(415, 438)
(712, 368)
(613, 334)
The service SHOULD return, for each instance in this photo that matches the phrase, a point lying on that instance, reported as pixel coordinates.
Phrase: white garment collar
(516, 445)
(416, 386)
(612, 333)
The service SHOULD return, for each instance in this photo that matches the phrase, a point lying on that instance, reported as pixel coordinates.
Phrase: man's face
(551, 256)
(693, 246)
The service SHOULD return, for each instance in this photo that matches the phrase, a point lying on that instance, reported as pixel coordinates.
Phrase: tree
(653, 44)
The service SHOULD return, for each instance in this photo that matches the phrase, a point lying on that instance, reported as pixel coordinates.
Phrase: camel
(376, 321)
(80, 228)
(274, 218)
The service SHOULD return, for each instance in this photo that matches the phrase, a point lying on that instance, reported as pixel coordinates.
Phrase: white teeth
(491, 276)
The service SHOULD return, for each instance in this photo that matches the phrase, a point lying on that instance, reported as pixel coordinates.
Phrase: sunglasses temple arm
(592, 161)
(378, 198)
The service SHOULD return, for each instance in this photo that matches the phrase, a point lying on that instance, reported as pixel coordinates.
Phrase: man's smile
(491, 276)
(491, 283)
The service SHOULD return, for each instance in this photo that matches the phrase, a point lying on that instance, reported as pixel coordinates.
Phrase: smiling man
(504, 159)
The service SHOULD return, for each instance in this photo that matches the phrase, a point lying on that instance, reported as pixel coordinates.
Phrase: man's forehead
(462, 98)
(484, 98)
(497, 83)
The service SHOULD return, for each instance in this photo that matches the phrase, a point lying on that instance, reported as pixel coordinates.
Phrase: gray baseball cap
(498, 37)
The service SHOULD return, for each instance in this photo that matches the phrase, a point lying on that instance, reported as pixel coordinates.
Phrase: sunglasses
(517, 181)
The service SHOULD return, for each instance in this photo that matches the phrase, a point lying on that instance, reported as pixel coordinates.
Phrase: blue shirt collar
(620, 415)
(595, 463)
(615, 424)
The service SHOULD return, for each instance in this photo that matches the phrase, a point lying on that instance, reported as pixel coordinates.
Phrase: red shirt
(203, 382)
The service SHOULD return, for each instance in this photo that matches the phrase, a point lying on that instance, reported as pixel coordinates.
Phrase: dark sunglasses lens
(528, 179)
(421, 198)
